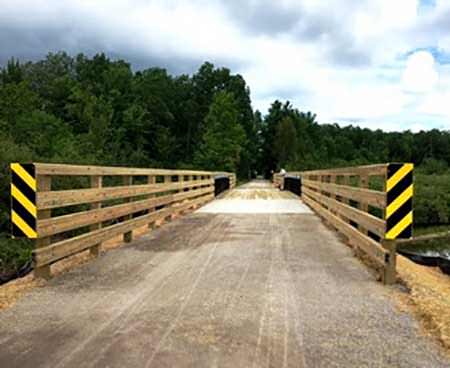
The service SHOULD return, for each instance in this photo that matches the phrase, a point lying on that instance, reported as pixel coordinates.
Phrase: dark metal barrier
(293, 184)
(221, 184)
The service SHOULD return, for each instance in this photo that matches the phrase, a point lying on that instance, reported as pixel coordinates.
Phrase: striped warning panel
(23, 201)
(399, 211)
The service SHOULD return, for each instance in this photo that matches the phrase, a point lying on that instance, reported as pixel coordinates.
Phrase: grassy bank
(14, 254)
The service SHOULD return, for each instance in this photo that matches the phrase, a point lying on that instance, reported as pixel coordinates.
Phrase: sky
(373, 63)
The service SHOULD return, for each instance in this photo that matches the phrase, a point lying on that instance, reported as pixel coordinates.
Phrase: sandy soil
(428, 296)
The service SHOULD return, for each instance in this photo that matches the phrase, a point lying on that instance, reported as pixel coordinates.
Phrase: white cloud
(343, 60)
(420, 74)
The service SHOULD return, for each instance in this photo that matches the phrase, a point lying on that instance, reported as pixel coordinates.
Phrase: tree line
(293, 140)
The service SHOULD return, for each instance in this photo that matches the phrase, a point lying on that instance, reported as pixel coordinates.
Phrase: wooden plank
(346, 181)
(389, 274)
(332, 179)
(369, 170)
(56, 225)
(43, 183)
(128, 235)
(368, 221)
(364, 206)
(151, 179)
(62, 198)
(96, 182)
(369, 246)
(424, 238)
(372, 197)
(61, 169)
(65, 248)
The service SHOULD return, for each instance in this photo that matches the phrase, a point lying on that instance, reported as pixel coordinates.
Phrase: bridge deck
(218, 289)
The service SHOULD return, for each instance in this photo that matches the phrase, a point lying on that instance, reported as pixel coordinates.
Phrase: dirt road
(218, 290)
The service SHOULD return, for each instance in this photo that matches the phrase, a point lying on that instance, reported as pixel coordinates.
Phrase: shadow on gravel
(182, 233)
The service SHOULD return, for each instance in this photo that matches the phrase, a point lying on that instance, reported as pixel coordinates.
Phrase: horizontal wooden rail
(65, 220)
(371, 247)
(56, 225)
(372, 218)
(82, 170)
(372, 223)
(57, 251)
(424, 238)
(278, 181)
(55, 199)
(368, 170)
(371, 197)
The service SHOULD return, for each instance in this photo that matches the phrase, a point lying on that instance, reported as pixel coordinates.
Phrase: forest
(95, 110)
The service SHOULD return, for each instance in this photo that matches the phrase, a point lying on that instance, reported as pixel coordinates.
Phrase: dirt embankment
(428, 297)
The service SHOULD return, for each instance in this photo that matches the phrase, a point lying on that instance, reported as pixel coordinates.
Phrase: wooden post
(96, 182)
(389, 273)
(44, 184)
(332, 180)
(128, 236)
(179, 180)
(167, 179)
(345, 181)
(191, 179)
(323, 179)
(151, 179)
(363, 183)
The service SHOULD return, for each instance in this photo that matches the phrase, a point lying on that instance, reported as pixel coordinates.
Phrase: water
(436, 248)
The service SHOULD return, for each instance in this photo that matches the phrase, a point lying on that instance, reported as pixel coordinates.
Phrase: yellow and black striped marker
(399, 211)
(23, 201)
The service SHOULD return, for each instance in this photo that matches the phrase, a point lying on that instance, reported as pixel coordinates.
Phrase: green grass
(425, 230)
(431, 200)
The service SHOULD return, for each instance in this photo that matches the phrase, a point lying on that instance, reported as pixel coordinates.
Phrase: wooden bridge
(250, 278)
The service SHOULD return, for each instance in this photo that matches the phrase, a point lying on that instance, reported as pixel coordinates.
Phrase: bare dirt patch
(428, 297)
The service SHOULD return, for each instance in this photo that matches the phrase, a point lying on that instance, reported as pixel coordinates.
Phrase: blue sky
(375, 63)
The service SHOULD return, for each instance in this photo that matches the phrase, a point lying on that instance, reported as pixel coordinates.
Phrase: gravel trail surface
(218, 290)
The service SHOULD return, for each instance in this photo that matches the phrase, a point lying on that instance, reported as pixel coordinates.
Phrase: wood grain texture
(65, 248)
(62, 198)
(56, 225)
(85, 170)
(366, 220)
(372, 197)
(180, 190)
(369, 170)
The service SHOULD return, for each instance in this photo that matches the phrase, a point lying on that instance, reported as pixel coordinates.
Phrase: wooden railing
(356, 203)
(107, 202)
(278, 180)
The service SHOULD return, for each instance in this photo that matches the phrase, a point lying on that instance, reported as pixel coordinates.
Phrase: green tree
(224, 137)
(286, 143)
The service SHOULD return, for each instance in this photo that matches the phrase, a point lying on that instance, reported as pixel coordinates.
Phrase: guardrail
(107, 202)
(278, 180)
(370, 205)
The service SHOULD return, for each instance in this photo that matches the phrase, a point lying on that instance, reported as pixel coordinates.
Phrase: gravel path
(217, 290)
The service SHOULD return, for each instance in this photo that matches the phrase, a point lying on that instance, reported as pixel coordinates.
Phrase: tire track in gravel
(196, 259)
(291, 297)
(139, 272)
(168, 271)
(71, 318)
(266, 307)
(187, 297)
